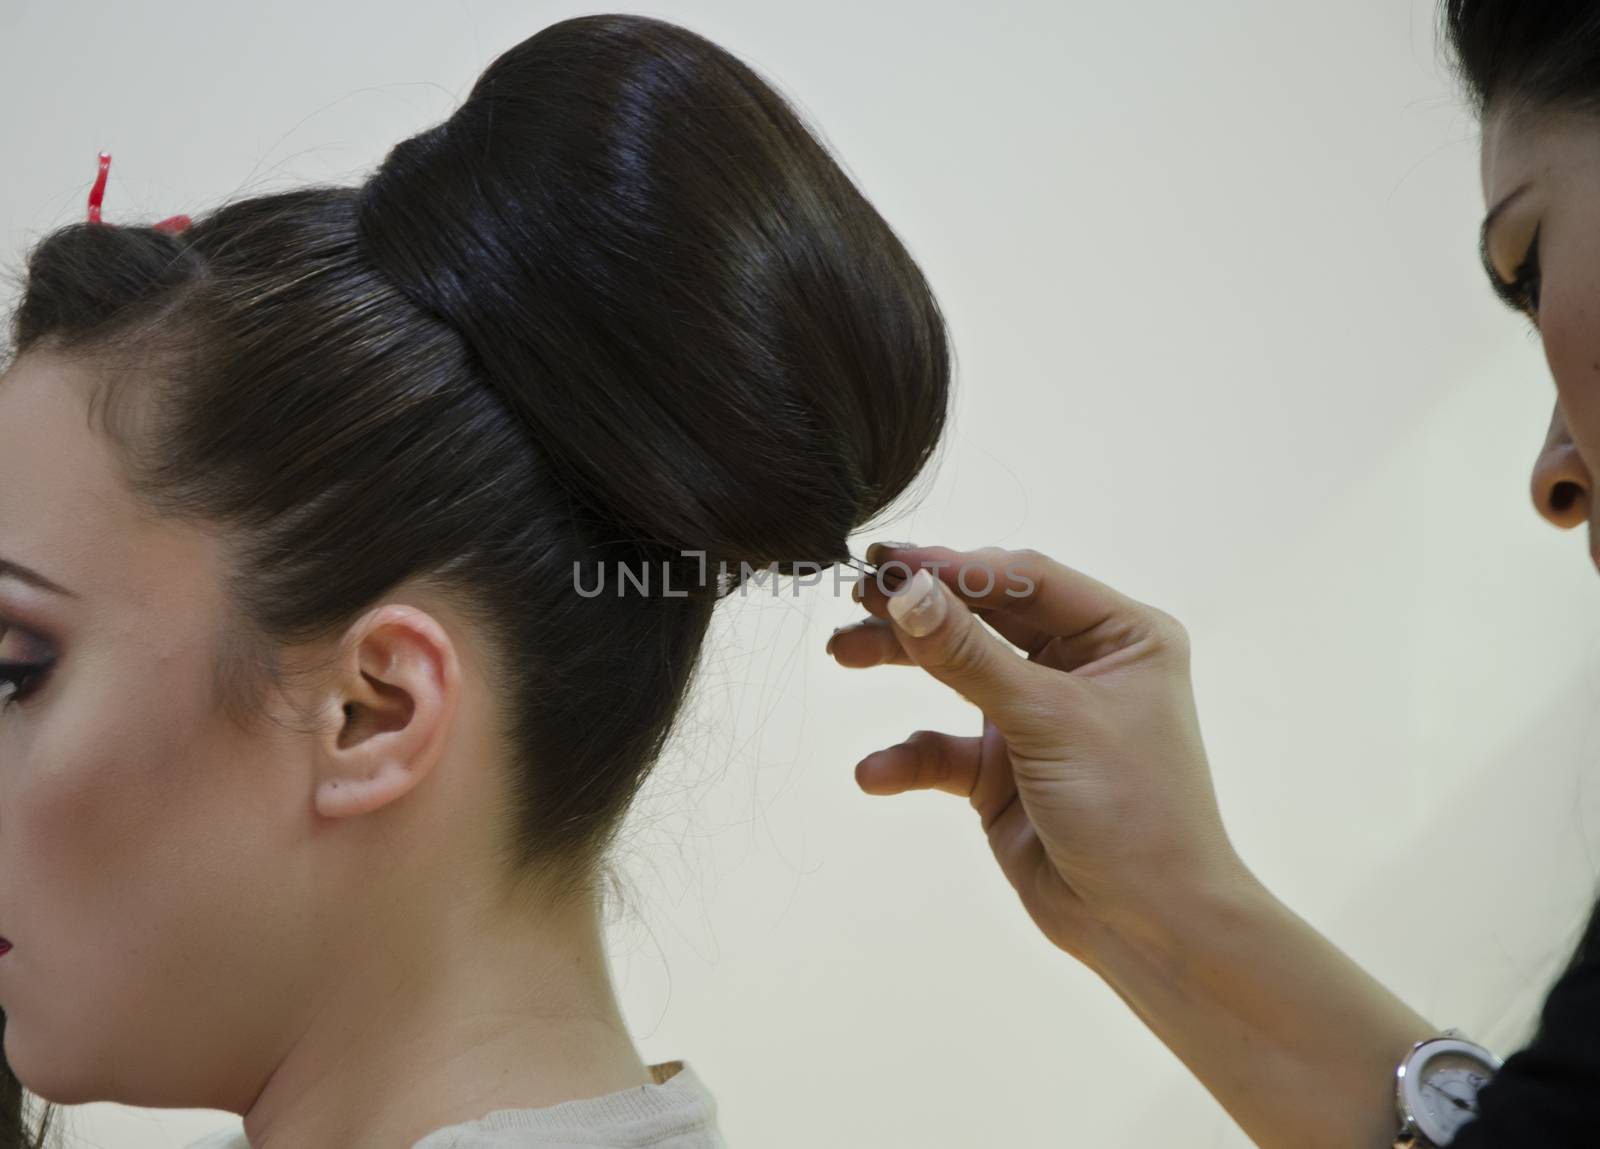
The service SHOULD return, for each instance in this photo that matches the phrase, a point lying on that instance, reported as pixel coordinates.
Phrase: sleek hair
(1533, 55)
(622, 304)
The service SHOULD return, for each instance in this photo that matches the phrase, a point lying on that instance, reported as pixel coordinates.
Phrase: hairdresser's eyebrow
(9, 569)
(1488, 223)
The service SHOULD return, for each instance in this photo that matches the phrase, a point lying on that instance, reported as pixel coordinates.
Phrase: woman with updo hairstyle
(313, 748)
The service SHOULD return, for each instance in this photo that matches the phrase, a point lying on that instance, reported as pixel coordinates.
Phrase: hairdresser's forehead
(1522, 144)
(64, 508)
(1516, 141)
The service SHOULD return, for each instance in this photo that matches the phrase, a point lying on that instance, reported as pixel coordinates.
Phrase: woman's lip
(5, 946)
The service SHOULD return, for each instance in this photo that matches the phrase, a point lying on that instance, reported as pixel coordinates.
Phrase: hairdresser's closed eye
(1523, 290)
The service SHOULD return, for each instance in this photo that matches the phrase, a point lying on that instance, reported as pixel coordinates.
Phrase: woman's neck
(429, 1030)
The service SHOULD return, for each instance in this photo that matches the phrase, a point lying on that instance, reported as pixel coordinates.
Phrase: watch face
(1444, 1092)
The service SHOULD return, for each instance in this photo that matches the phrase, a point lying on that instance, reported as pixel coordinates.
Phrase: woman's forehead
(64, 506)
(52, 464)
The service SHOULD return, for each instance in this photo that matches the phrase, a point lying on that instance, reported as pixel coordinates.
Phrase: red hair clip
(98, 192)
(172, 224)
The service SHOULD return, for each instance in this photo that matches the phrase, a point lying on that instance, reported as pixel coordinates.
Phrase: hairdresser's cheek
(1569, 325)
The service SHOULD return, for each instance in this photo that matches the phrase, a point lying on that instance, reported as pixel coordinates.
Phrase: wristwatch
(1436, 1089)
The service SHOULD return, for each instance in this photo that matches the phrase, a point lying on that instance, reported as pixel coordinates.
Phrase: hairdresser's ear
(389, 700)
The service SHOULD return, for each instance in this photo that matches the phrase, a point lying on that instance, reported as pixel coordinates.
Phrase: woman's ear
(395, 686)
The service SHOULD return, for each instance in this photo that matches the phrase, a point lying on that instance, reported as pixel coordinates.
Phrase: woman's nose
(1562, 485)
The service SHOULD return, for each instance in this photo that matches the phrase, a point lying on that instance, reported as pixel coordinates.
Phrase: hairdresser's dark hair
(1532, 56)
(1542, 54)
(622, 304)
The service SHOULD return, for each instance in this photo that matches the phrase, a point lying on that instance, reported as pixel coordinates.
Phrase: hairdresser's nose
(1561, 483)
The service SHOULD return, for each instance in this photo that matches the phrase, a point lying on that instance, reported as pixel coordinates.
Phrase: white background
(1223, 342)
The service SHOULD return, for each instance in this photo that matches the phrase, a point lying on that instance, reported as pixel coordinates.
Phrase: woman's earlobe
(350, 796)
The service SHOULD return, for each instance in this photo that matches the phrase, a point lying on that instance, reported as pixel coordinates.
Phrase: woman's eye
(18, 680)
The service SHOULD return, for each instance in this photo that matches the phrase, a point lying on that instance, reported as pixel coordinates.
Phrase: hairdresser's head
(1533, 71)
(312, 478)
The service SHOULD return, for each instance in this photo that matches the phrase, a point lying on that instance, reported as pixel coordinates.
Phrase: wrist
(1182, 919)
(1296, 1041)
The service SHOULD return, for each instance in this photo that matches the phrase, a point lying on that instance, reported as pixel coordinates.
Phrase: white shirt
(677, 1112)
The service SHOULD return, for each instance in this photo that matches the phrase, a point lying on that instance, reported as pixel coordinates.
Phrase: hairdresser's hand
(1092, 784)
(1089, 775)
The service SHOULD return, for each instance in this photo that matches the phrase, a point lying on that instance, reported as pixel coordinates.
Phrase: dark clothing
(1548, 1093)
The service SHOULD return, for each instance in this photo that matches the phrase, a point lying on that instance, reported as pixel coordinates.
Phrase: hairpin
(97, 193)
(874, 570)
(172, 224)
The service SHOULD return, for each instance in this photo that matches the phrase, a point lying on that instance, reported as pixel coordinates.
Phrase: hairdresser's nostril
(1563, 495)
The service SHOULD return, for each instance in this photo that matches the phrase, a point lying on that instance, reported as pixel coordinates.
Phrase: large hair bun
(718, 341)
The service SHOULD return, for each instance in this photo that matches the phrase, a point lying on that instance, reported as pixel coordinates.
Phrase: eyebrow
(32, 578)
(1483, 235)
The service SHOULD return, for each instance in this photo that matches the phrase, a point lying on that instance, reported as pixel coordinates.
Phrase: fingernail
(875, 551)
(828, 647)
(918, 606)
(860, 588)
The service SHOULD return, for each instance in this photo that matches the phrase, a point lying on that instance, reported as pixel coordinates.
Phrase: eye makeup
(19, 678)
(1521, 292)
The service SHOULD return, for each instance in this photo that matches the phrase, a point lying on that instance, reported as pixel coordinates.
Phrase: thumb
(942, 635)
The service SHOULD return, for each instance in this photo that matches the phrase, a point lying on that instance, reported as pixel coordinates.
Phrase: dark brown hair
(622, 304)
(1544, 54)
